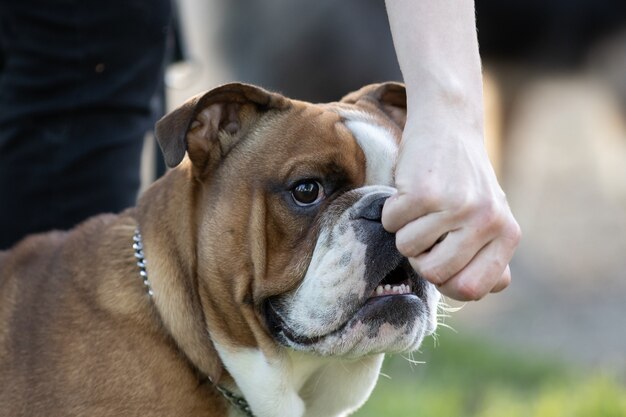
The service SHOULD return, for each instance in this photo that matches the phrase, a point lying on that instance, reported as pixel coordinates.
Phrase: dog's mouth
(280, 329)
(398, 288)
(401, 280)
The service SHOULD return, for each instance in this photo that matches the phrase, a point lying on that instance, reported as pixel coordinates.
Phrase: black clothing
(79, 83)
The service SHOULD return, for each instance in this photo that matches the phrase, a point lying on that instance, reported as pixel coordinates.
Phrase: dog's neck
(172, 262)
(236, 401)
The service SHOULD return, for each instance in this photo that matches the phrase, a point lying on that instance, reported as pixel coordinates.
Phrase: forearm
(437, 48)
(450, 216)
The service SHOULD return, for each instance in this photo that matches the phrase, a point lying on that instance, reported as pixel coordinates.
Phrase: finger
(504, 280)
(481, 275)
(400, 209)
(420, 235)
(450, 256)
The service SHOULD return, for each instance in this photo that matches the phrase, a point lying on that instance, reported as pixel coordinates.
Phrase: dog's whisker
(450, 309)
(384, 375)
(447, 326)
(444, 306)
(413, 361)
(435, 339)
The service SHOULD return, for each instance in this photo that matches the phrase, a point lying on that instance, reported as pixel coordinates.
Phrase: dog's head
(290, 246)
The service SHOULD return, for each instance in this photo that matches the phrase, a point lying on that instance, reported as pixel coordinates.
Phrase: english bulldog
(253, 279)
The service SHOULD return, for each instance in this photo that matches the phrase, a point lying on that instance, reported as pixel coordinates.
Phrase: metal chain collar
(238, 402)
(141, 261)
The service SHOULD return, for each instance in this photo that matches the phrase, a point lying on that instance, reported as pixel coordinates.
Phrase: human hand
(450, 216)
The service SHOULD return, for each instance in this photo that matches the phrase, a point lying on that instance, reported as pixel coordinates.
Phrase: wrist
(442, 98)
(444, 117)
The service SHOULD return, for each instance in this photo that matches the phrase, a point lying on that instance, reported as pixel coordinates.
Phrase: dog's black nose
(373, 211)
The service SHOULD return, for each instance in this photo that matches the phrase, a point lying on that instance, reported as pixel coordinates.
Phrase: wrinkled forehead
(337, 133)
(376, 136)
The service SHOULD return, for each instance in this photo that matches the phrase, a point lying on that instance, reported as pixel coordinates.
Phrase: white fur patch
(265, 384)
(337, 387)
(379, 146)
(297, 384)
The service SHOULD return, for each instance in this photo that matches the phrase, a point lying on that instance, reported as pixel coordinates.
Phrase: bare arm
(446, 185)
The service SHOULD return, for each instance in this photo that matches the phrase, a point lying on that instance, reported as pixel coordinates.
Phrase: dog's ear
(389, 97)
(207, 125)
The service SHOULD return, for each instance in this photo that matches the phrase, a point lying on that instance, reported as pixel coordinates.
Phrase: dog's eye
(307, 193)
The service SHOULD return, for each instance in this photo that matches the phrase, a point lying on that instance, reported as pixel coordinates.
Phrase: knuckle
(404, 245)
(513, 232)
(434, 275)
(461, 205)
(505, 280)
(490, 218)
(490, 214)
(470, 291)
(428, 196)
(407, 198)
(399, 210)
(475, 205)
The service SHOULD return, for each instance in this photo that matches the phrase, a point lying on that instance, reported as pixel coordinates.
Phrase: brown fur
(78, 333)
(80, 337)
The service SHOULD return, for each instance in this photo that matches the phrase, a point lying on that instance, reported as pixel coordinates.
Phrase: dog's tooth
(387, 287)
(379, 290)
(402, 289)
(408, 288)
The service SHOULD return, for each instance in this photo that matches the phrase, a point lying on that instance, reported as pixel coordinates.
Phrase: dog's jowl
(255, 278)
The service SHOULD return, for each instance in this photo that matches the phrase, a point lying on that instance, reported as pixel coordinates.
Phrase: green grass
(465, 377)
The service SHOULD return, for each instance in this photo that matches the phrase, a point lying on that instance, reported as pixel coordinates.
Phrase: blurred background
(554, 343)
